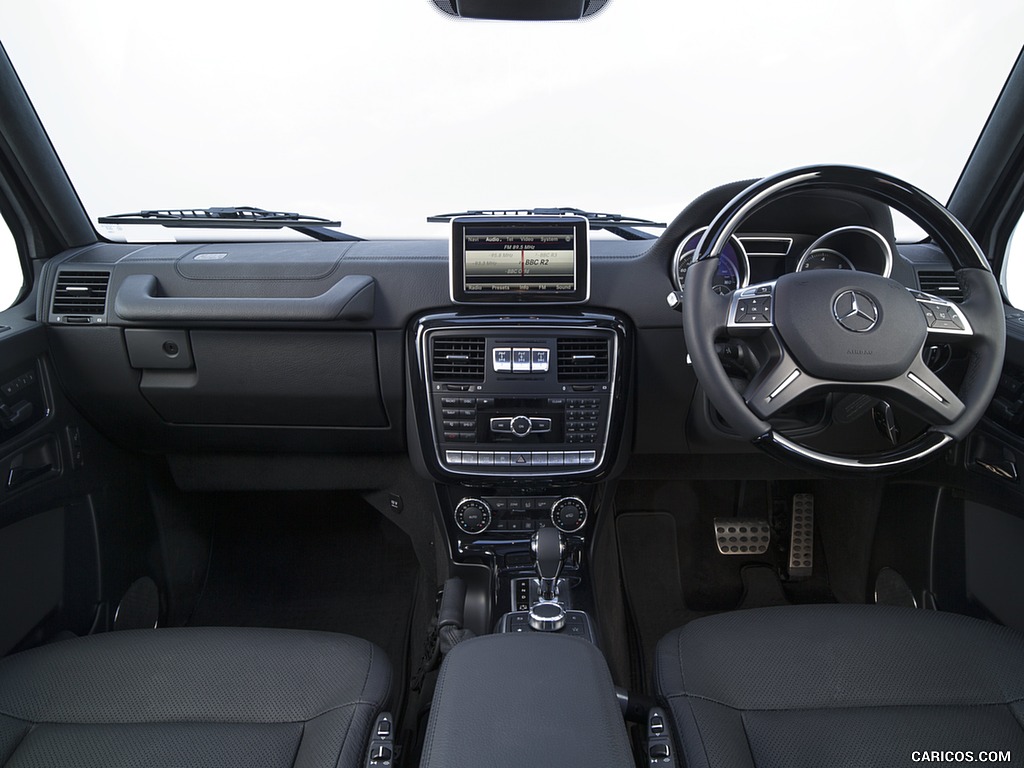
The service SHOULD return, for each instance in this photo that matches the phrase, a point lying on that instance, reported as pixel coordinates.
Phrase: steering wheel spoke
(927, 394)
(779, 383)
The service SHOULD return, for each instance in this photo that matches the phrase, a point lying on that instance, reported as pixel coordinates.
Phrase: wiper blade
(616, 223)
(237, 217)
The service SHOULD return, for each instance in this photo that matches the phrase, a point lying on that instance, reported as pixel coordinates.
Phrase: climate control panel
(519, 514)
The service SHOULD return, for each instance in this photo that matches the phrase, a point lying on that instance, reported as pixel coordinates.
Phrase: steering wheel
(832, 330)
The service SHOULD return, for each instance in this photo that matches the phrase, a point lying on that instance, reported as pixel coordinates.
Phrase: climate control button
(569, 514)
(473, 515)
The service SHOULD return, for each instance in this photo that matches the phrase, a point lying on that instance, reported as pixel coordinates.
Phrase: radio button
(522, 425)
(502, 359)
(540, 425)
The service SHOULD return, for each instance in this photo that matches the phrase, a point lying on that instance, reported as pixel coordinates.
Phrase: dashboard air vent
(80, 293)
(942, 284)
(458, 359)
(582, 360)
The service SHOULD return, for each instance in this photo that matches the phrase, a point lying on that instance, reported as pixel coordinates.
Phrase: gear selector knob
(548, 550)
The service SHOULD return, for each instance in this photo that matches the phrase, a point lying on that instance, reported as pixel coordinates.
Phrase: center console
(519, 408)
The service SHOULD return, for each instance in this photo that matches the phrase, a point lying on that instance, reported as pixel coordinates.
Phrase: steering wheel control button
(569, 514)
(855, 311)
(942, 317)
(547, 617)
(757, 309)
(473, 515)
(742, 536)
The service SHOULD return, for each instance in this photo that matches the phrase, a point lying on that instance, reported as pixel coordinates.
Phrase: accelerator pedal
(801, 537)
(742, 535)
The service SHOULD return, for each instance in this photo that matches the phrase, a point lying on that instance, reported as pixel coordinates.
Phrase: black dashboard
(314, 347)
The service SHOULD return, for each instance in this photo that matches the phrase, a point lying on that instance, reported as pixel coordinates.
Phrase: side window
(11, 276)
(1013, 268)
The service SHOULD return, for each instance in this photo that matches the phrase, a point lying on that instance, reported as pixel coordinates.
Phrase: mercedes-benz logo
(855, 311)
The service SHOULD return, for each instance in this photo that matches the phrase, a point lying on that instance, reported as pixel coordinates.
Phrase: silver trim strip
(917, 380)
(757, 239)
(839, 461)
(789, 380)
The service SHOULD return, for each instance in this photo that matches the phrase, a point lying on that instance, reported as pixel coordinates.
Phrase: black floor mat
(309, 561)
(673, 573)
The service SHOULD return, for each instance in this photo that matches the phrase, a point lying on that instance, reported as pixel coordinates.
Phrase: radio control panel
(523, 398)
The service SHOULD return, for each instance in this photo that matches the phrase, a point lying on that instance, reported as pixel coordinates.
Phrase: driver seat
(841, 685)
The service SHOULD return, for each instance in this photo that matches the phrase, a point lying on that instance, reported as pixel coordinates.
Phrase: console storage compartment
(525, 699)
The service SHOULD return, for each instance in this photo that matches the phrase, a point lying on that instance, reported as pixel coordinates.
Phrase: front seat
(842, 685)
(190, 697)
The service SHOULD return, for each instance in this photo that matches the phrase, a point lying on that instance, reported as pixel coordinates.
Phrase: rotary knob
(547, 617)
(568, 514)
(521, 426)
(473, 515)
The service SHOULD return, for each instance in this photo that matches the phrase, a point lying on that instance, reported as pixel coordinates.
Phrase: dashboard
(198, 350)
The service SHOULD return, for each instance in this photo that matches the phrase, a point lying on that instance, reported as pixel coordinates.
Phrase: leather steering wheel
(835, 330)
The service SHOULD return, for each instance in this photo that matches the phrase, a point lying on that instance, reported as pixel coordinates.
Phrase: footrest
(801, 537)
(742, 536)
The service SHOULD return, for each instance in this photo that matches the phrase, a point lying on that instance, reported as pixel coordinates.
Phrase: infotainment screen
(520, 259)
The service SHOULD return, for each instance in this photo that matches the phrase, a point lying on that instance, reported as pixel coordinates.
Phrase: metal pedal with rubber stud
(742, 535)
(801, 537)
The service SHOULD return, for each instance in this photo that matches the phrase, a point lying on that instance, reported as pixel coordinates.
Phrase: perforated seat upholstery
(190, 697)
(841, 685)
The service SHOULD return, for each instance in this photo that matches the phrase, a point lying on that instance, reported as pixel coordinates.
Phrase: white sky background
(381, 113)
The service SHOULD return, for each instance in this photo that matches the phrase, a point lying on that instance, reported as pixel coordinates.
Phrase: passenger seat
(194, 696)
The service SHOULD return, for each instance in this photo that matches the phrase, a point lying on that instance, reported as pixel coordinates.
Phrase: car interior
(553, 487)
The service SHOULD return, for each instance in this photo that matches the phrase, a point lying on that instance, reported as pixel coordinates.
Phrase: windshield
(381, 114)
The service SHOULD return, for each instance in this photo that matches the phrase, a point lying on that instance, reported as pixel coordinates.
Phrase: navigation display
(520, 259)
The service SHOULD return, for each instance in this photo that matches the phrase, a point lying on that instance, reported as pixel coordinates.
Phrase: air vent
(458, 359)
(582, 360)
(942, 284)
(80, 293)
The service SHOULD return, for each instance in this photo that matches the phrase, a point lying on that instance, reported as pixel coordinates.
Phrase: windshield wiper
(616, 223)
(239, 217)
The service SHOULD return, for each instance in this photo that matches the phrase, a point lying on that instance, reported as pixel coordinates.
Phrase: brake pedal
(742, 535)
(801, 537)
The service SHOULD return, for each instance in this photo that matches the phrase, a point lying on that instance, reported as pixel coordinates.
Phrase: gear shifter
(548, 550)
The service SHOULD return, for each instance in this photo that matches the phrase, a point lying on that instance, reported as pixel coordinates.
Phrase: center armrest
(525, 699)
